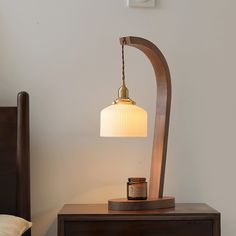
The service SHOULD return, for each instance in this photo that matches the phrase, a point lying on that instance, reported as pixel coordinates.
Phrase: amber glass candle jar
(137, 188)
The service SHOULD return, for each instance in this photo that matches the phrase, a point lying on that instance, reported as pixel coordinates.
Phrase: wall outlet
(141, 3)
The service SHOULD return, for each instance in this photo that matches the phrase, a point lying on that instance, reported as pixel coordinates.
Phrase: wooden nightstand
(186, 219)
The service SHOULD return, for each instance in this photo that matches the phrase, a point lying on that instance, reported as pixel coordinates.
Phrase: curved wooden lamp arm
(163, 81)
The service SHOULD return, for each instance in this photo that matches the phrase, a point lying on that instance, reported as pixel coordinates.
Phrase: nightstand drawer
(139, 228)
(185, 219)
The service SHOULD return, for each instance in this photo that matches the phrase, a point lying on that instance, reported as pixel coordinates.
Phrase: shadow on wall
(46, 223)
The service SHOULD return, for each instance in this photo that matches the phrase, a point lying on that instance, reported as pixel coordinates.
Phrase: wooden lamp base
(122, 204)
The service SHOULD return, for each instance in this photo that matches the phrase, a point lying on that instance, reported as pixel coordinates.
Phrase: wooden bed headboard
(15, 159)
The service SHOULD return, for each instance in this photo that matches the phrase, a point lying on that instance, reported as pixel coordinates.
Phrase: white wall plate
(141, 3)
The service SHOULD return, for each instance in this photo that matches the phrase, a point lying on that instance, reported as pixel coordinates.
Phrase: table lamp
(125, 119)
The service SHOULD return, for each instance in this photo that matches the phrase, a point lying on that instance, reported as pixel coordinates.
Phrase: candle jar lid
(137, 179)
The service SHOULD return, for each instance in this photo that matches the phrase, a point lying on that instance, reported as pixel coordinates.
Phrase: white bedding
(13, 226)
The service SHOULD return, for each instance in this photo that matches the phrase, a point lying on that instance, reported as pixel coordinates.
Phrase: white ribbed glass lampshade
(123, 120)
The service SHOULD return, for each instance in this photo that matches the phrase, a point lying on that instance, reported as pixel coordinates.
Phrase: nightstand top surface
(102, 209)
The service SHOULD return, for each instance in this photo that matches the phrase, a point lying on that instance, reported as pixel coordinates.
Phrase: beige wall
(66, 54)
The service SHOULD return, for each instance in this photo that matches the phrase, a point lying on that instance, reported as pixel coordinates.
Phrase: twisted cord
(123, 62)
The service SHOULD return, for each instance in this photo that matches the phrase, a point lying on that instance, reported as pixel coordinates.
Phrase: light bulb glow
(123, 120)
